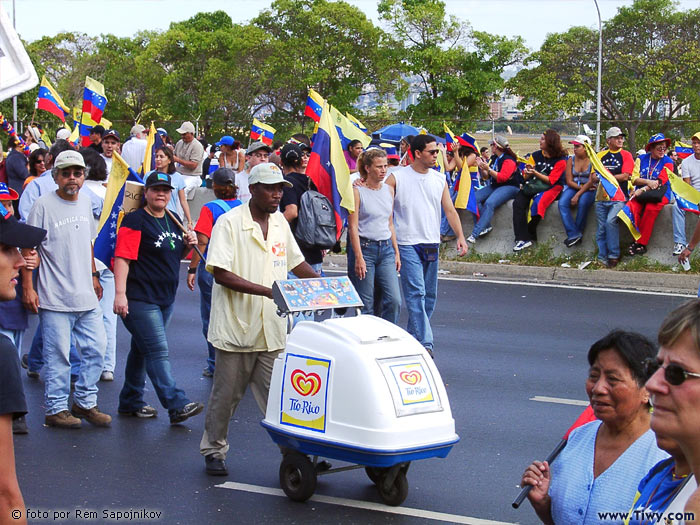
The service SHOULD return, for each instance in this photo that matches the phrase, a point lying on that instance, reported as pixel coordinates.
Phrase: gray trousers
(233, 373)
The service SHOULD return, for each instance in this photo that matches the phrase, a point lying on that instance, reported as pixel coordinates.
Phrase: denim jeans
(35, 356)
(205, 281)
(381, 275)
(445, 228)
(608, 234)
(109, 318)
(419, 283)
(678, 216)
(574, 228)
(88, 331)
(149, 355)
(488, 199)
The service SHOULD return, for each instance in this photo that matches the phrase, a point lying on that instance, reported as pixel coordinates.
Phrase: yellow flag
(117, 179)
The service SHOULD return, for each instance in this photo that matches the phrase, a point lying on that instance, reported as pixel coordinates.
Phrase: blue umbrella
(395, 132)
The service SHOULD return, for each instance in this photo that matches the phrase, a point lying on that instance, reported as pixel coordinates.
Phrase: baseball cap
(500, 141)
(187, 127)
(63, 134)
(162, 132)
(291, 153)
(614, 132)
(137, 128)
(14, 233)
(69, 158)
(226, 140)
(224, 177)
(580, 139)
(267, 173)
(696, 136)
(7, 194)
(111, 133)
(157, 178)
(257, 145)
(97, 129)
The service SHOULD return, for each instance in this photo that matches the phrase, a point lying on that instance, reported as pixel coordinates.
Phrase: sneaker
(62, 419)
(32, 374)
(143, 412)
(189, 410)
(678, 248)
(25, 361)
(107, 375)
(19, 426)
(471, 239)
(521, 245)
(91, 415)
(572, 241)
(486, 231)
(215, 466)
(207, 373)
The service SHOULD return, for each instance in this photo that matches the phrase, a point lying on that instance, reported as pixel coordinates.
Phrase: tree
(651, 69)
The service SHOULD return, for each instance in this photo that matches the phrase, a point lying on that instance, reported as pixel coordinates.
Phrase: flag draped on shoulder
(466, 194)
(262, 131)
(687, 197)
(607, 179)
(94, 102)
(329, 171)
(153, 142)
(314, 105)
(112, 213)
(49, 100)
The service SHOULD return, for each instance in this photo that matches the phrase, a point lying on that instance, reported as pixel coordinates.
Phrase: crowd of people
(247, 238)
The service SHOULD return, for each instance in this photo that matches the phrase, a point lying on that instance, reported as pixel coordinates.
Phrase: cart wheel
(297, 476)
(396, 494)
(374, 473)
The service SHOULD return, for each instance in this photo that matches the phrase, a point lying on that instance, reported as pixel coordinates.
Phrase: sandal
(637, 249)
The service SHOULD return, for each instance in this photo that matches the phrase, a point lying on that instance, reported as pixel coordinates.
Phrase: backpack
(316, 226)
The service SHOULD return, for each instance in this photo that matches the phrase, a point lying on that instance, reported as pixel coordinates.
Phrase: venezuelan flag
(49, 100)
(466, 194)
(94, 103)
(626, 216)
(607, 180)
(329, 171)
(314, 105)
(261, 131)
(347, 131)
(683, 150)
(153, 142)
(356, 122)
(687, 197)
(449, 136)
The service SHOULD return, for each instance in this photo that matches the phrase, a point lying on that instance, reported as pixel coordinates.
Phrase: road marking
(366, 505)
(560, 401)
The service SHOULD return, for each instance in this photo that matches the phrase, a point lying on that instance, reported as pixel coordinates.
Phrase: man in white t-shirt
(189, 155)
(134, 149)
(420, 193)
(110, 144)
(690, 169)
(257, 153)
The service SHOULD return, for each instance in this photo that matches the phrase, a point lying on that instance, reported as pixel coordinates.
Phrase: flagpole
(179, 225)
(600, 74)
(527, 488)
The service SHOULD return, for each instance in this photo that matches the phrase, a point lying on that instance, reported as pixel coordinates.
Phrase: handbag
(533, 186)
(653, 196)
(427, 252)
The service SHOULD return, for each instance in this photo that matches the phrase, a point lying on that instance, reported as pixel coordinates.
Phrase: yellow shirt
(243, 322)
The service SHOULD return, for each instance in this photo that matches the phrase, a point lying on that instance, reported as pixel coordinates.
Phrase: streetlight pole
(14, 99)
(600, 75)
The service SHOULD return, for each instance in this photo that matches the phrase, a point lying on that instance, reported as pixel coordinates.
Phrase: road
(497, 347)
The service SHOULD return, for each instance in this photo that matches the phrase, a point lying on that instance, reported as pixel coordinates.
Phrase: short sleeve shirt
(154, 248)
(300, 184)
(690, 169)
(11, 392)
(243, 322)
(192, 152)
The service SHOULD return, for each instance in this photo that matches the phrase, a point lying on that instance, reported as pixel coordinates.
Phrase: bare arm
(360, 268)
(190, 165)
(185, 207)
(454, 221)
(304, 271)
(238, 284)
(394, 242)
(291, 212)
(121, 271)
(202, 242)
(30, 299)
(10, 494)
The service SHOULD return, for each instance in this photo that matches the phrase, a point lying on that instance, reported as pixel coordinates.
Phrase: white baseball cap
(69, 158)
(187, 127)
(267, 173)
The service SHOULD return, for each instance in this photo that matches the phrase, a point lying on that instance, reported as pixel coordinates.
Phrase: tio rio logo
(305, 384)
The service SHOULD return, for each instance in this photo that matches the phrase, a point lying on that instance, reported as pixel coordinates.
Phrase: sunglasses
(674, 374)
(432, 151)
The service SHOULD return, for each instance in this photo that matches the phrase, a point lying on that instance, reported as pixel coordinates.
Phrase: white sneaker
(678, 248)
(107, 376)
(471, 239)
(521, 245)
(485, 231)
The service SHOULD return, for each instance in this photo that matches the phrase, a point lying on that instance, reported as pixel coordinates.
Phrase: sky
(531, 19)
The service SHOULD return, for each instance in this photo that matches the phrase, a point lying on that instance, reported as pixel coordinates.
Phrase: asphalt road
(497, 346)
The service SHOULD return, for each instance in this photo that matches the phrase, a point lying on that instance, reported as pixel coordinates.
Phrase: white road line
(560, 401)
(366, 505)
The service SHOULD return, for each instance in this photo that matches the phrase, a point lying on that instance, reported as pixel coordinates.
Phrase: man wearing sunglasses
(420, 193)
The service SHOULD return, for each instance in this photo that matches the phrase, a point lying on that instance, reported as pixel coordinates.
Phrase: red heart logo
(411, 378)
(306, 384)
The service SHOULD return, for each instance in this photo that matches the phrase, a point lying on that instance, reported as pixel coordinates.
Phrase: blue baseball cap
(157, 178)
(226, 140)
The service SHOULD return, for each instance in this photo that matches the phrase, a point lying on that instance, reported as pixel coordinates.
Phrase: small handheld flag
(49, 100)
(261, 131)
(314, 105)
(94, 103)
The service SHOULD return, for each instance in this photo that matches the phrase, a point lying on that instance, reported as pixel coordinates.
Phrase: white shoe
(107, 376)
(471, 239)
(678, 248)
(485, 231)
(521, 245)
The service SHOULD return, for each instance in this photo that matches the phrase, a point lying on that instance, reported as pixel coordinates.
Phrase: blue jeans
(608, 234)
(488, 199)
(678, 224)
(419, 283)
(88, 331)
(35, 356)
(149, 355)
(381, 273)
(574, 228)
(445, 228)
(205, 281)
(109, 318)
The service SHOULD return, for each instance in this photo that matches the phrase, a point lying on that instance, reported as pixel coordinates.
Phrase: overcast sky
(532, 19)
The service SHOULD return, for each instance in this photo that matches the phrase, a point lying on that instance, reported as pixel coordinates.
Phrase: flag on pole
(607, 179)
(94, 103)
(347, 131)
(106, 239)
(683, 150)
(329, 171)
(356, 122)
(261, 131)
(153, 142)
(449, 136)
(314, 105)
(626, 216)
(49, 100)
(687, 197)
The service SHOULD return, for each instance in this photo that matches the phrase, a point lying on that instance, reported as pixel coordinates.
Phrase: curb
(670, 283)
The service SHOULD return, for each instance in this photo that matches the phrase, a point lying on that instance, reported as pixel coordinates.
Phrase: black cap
(98, 129)
(224, 177)
(111, 133)
(291, 153)
(157, 178)
(14, 233)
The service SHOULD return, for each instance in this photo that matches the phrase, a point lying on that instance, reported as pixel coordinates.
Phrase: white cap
(63, 133)
(136, 129)
(187, 127)
(69, 158)
(267, 173)
(580, 139)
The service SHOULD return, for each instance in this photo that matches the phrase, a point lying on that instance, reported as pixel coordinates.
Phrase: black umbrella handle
(526, 489)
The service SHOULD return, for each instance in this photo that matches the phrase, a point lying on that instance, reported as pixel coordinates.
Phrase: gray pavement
(497, 346)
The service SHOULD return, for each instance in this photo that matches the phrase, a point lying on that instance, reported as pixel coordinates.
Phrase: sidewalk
(681, 284)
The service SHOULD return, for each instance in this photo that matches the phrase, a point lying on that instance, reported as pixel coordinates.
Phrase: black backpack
(316, 226)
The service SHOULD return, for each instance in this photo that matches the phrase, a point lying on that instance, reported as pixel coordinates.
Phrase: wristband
(191, 271)
(96, 274)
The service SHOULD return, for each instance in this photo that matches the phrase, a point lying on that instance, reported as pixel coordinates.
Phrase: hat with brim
(267, 173)
(187, 127)
(157, 178)
(224, 177)
(7, 193)
(580, 140)
(465, 139)
(696, 136)
(226, 140)
(68, 158)
(656, 139)
(14, 233)
(499, 141)
(257, 146)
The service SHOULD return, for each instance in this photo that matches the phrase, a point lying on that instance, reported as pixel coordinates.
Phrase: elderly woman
(675, 387)
(649, 176)
(603, 461)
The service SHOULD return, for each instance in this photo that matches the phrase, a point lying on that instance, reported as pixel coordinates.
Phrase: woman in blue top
(603, 461)
(579, 191)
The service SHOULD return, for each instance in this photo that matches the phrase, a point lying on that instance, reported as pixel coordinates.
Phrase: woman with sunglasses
(675, 387)
(603, 461)
(579, 191)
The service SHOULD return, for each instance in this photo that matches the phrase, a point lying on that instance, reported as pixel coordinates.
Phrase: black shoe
(19, 426)
(430, 352)
(25, 361)
(189, 410)
(215, 466)
(207, 373)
